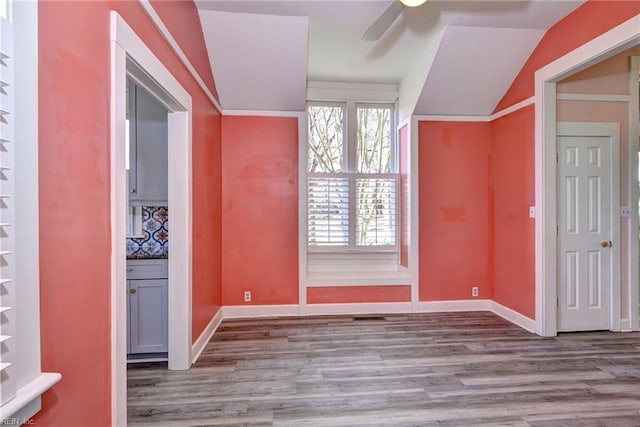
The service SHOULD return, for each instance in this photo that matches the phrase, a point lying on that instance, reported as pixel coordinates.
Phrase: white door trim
(611, 130)
(129, 55)
(634, 249)
(620, 38)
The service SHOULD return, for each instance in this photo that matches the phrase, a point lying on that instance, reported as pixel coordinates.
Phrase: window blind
(328, 210)
(7, 212)
(352, 210)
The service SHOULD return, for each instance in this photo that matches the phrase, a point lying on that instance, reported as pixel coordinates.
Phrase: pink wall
(590, 20)
(358, 294)
(260, 210)
(75, 199)
(454, 210)
(513, 191)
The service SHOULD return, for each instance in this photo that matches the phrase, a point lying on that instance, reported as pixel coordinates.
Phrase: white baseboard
(356, 308)
(205, 336)
(248, 311)
(625, 325)
(513, 316)
(454, 305)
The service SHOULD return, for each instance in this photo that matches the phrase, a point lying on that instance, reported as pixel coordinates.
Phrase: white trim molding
(359, 92)
(454, 306)
(451, 118)
(513, 316)
(19, 408)
(206, 335)
(512, 109)
(598, 97)
(249, 311)
(157, 21)
(618, 39)
(634, 243)
(495, 116)
(263, 113)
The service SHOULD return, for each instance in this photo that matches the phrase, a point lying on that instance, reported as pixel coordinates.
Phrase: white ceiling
(263, 52)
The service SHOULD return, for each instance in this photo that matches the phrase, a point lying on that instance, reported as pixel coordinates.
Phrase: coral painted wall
(260, 209)
(590, 20)
(358, 294)
(513, 191)
(74, 91)
(454, 210)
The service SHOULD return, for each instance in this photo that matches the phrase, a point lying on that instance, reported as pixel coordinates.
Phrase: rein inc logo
(15, 421)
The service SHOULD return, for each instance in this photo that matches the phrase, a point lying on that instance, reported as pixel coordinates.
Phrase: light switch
(532, 211)
(625, 212)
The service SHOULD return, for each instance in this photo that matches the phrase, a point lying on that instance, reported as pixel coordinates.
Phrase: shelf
(5, 309)
(4, 281)
(4, 366)
(3, 253)
(4, 338)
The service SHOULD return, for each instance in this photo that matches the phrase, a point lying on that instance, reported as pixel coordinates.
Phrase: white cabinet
(148, 149)
(147, 306)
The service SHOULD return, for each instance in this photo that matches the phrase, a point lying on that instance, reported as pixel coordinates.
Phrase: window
(352, 187)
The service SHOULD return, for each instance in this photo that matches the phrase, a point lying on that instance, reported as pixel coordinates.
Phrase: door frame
(130, 57)
(612, 131)
(618, 39)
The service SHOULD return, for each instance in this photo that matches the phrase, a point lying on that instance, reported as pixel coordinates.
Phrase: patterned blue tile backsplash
(155, 243)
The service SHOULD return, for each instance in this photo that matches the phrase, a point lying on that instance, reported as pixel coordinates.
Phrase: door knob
(133, 291)
(606, 244)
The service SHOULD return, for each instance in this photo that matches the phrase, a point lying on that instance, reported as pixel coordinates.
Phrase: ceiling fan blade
(384, 21)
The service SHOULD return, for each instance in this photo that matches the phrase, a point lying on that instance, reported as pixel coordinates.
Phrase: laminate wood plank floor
(440, 369)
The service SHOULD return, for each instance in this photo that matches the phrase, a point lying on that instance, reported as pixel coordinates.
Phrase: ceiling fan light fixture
(412, 3)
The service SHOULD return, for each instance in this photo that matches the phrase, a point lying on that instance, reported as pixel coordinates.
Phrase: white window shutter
(328, 210)
(7, 212)
(376, 211)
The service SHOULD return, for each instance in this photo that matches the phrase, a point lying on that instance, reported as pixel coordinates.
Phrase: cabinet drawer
(147, 269)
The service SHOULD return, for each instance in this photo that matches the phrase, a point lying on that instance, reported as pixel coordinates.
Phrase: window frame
(350, 170)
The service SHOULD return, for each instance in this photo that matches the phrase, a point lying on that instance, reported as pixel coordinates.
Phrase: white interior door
(585, 215)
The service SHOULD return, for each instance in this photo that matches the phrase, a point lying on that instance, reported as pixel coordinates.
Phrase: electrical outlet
(247, 296)
(625, 212)
(474, 291)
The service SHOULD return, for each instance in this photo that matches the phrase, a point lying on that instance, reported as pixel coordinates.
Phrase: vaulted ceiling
(446, 56)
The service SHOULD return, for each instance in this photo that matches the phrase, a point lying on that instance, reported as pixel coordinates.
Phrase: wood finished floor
(454, 369)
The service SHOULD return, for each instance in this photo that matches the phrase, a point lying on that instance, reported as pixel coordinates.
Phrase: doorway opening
(131, 58)
(620, 38)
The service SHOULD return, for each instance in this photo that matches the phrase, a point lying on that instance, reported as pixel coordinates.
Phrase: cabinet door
(149, 151)
(148, 316)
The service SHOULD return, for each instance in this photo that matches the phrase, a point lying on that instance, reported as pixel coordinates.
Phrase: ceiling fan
(388, 17)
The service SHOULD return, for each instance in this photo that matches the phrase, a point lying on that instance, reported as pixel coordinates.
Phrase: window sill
(26, 395)
(359, 278)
